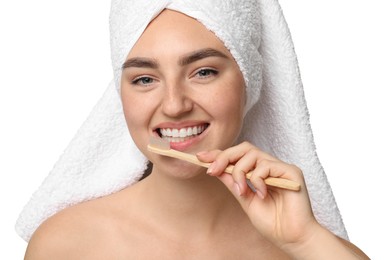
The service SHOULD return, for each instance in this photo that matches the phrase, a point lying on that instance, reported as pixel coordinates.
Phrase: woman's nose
(176, 101)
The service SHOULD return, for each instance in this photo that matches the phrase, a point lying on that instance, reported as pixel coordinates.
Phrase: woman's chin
(179, 169)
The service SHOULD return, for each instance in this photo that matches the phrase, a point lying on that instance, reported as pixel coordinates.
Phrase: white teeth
(183, 132)
(175, 133)
(179, 134)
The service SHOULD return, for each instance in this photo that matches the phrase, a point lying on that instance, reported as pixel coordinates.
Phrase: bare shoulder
(357, 251)
(77, 232)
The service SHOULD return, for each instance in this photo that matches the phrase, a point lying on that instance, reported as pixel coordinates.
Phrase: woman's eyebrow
(140, 62)
(201, 54)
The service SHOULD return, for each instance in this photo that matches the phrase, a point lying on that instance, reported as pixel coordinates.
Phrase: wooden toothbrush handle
(271, 181)
(283, 183)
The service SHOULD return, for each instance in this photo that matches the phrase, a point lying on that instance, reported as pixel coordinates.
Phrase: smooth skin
(177, 75)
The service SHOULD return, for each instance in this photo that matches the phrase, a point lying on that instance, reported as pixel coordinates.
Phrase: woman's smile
(182, 135)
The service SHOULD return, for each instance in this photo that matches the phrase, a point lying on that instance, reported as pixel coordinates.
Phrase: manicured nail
(260, 194)
(211, 168)
(237, 189)
(201, 153)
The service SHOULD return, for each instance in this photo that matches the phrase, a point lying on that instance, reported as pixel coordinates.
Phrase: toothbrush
(162, 147)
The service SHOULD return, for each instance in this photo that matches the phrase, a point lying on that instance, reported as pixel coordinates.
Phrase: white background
(55, 64)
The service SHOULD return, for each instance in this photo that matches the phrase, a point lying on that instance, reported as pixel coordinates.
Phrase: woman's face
(180, 83)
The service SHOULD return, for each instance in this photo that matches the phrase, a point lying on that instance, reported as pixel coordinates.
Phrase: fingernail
(211, 168)
(201, 153)
(260, 194)
(237, 189)
(242, 188)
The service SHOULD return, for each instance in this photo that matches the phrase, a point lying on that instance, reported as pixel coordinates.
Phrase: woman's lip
(185, 145)
(179, 125)
(185, 132)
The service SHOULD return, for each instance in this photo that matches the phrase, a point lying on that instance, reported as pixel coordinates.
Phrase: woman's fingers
(208, 156)
(277, 169)
(244, 156)
(232, 154)
(246, 164)
(248, 158)
(244, 199)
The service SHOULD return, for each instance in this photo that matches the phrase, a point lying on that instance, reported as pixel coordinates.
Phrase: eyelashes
(205, 73)
(202, 75)
(143, 80)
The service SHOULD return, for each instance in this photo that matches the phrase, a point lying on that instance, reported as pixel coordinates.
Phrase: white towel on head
(102, 158)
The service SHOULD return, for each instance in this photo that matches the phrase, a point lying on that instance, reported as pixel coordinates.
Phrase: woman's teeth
(179, 135)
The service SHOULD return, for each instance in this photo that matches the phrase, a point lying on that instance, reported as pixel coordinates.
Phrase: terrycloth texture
(102, 157)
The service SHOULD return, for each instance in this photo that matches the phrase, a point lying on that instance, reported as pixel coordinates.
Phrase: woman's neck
(198, 204)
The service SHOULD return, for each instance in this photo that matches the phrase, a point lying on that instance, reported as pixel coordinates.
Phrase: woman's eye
(142, 81)
(204, 73)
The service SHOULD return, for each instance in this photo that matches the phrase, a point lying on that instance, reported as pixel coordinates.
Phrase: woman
(180, 75)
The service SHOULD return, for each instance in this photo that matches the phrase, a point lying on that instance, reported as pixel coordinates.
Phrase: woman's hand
(282, 216)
